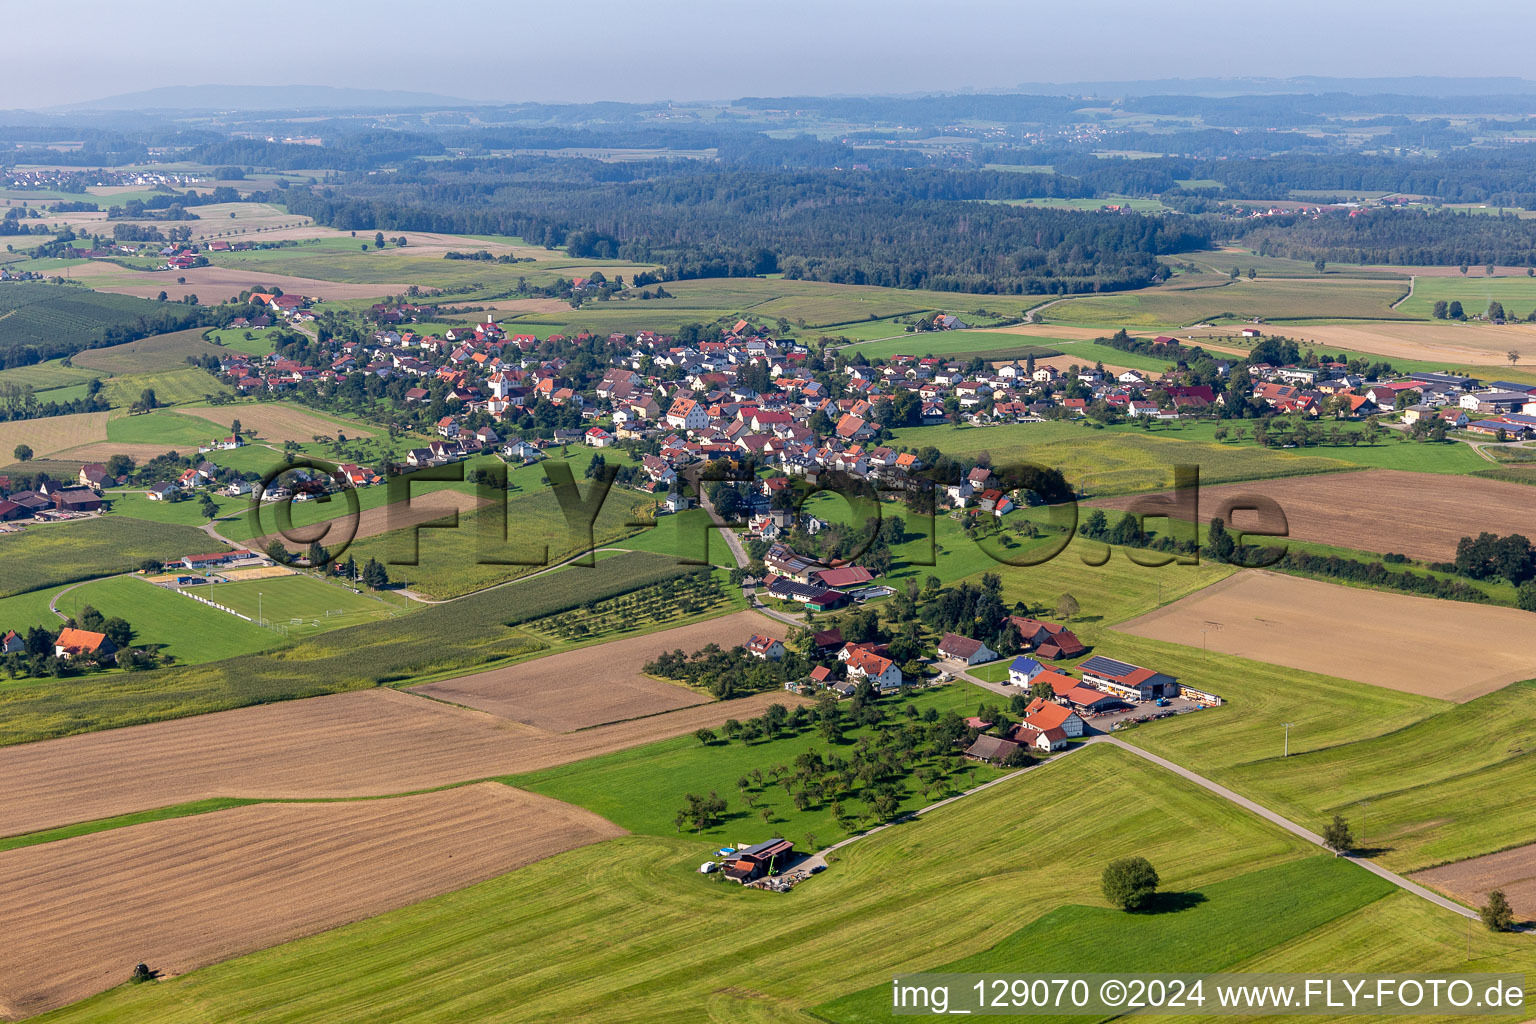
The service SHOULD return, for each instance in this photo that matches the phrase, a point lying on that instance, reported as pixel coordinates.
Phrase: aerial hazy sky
(693, 49)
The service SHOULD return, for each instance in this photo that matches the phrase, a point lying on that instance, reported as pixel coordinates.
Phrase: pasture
(1218, 928)
(1474, 291)
(907, 899)
(1421, 515)
(1101, 462)
(598, 684)
(52, 375)
(157, 354)
(296, 606)
(274, 872)
(1429, 803)
(1191, 301)
(171, 387)
(1260, 615)
(46, 555)
(367, 743)
(160, 430)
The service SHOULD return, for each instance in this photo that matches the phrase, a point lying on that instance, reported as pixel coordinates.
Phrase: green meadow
(918, 895)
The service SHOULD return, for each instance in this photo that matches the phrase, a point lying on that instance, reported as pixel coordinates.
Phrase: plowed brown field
(1470, 881)
(215, 284)
(79, 913)
(597, 684)
(1422, 515)
(364, 743)
(1443, 649)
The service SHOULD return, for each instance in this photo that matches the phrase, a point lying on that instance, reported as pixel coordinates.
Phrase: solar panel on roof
(1099, 663)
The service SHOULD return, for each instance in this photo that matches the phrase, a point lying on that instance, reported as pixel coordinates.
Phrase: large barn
(1129, 681)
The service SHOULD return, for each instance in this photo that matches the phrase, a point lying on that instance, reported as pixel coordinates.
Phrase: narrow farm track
(1290, 826)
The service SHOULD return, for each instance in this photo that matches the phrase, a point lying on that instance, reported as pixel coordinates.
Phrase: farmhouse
(1023, 670)
(963, 648)
(95, 476)
(754, 862)
(879, 670)
(1047, 741)
(1129, 681)
(1044, 715)
(1048, 640)
(12, 643)
(72, 643)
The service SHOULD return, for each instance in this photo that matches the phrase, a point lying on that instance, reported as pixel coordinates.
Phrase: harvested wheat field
(277, 421)
(1421, 515)
(1443, 649)
(1471, 881)
(184, 893)
(1469, 345)
(101, 451)
(604, 683)
(52, 434)
(364, 743)
(215, 284)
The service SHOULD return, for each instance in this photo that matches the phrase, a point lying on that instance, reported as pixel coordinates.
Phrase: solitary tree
(1513, 355)
(1337, 836)
(1496, 913)
(22, 452)
(1067, 607)
(1129, 882)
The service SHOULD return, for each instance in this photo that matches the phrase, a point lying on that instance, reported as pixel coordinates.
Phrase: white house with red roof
(1044, 715)
(764, 647)
(878, 669)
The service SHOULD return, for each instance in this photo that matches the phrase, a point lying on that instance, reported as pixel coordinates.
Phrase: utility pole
(1287, 738)
(1363, 805)
(259, 620)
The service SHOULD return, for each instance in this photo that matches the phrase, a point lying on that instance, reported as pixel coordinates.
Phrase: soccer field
(300, 605)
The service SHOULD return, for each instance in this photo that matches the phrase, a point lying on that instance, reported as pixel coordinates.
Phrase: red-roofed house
(1043, 714)
(73, 643)
(880, 671)
(765, 647)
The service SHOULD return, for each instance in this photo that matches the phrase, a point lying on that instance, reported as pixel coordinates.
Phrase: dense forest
(900, 230)
(1403, 237)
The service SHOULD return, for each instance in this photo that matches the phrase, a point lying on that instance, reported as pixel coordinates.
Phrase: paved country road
(1288, 825)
